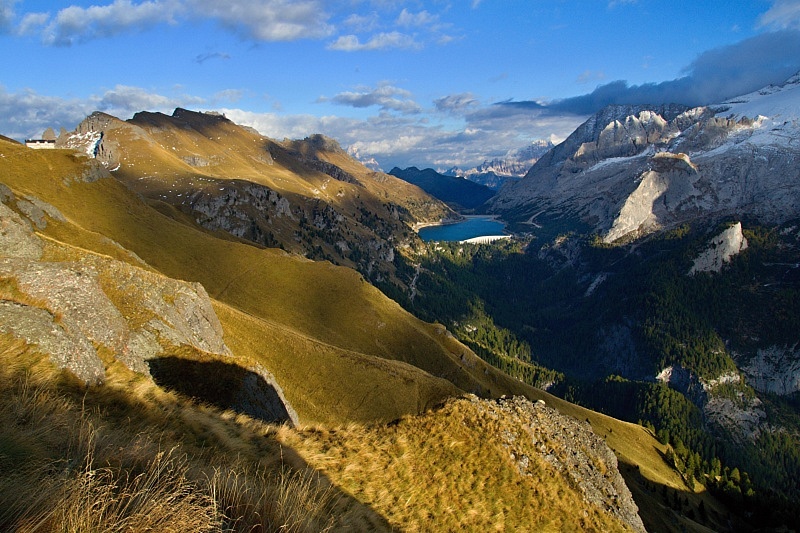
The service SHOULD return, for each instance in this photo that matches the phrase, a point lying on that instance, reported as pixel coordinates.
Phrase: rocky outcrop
(732, 410)
(16, 236)
(720, 250)
(569, 446)
(71, 308)
(89, 138)
(775, 369)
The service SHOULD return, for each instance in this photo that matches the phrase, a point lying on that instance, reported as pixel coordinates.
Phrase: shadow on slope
(223, 385)
(128, 455)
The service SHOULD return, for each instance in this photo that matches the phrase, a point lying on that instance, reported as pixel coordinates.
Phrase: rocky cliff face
(76, 305)
(70, 307)
(631, 170)
(720, 250)
(775, 369)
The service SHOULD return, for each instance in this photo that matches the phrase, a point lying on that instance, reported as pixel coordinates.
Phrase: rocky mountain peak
(631, 170)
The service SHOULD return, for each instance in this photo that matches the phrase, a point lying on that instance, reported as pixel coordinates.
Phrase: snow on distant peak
(778, 102)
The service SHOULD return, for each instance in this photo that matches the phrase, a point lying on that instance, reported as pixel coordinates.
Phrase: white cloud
(27, 113)
(381, 41)
(123, 101)
(393, 139)
(267, 20)
(261, 20)
(362, 23)
(421, 19)
(32, 23)
(410, 140)
(385, 96)
(78, 24)
(258, 20)
(783, 14)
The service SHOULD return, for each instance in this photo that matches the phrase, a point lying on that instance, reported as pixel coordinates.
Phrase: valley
(626, 360)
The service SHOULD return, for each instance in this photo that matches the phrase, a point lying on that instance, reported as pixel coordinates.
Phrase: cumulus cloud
(385, 96)
(783, 14)
(258, 20)
(381, 41)
(267, 20)
(394, 135)
(362, 23)
(26, 114)
(78, 24)
(261, 20)
(123, 101)
(421, 19)
(415, 140)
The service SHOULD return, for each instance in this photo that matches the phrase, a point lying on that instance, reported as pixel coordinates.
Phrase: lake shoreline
(450, 221)
(470, 226)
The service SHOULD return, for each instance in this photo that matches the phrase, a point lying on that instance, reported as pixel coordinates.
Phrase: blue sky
(432, 83)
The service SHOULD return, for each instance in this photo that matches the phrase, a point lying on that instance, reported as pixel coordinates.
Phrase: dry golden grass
(339, 348)
(330, 306)
(447, 471)
(123, 457)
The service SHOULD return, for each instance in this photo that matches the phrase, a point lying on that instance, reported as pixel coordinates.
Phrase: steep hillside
(264, 333)
(307, 196)
(631, 170)
(458, 193)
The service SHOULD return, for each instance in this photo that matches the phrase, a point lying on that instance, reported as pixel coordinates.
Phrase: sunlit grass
(110, 459)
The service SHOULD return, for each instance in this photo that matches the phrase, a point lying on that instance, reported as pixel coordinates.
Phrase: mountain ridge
(340, 351)
(307, 196)
(459, 193)
(631, 170)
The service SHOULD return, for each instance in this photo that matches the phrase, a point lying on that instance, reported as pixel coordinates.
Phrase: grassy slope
(153, 147)
(129, 456)
(331, 339)
(434, 472)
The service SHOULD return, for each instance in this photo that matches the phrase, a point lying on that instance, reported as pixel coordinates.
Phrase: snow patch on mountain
(631, 170)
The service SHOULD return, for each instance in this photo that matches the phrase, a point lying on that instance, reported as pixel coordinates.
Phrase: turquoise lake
(475, 226)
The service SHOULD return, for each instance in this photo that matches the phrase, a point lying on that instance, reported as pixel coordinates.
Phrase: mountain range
(632, 170)
(135, 322)
(654, 278)
(266, 311)
(494, 173)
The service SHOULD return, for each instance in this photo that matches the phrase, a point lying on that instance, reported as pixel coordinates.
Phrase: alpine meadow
(218, 313)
